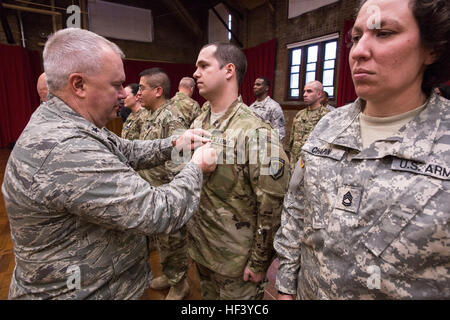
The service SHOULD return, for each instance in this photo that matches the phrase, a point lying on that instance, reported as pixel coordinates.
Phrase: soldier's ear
(159, 91)
(77, 84)
(230, 69)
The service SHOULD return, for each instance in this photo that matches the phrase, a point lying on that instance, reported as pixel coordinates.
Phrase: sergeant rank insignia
(276, 168)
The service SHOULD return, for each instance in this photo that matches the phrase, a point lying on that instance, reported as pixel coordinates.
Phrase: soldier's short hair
(317, 85)
(134, 88)
(266, 81)
(187, 82)
(157, 77)
(74, 50)
(229, 53)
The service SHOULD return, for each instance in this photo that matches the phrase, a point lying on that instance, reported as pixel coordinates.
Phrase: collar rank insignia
(276, 168)
(95, 129)
(348, 199)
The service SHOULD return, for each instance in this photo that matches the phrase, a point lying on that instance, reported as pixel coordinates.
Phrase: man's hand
(205, 157)
(253, 277)
(192, 139)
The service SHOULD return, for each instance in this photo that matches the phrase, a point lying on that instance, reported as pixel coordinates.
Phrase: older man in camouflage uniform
(369, 222)
(266, 108)
(189, 108)
(305, 120)
(78, 211)
(132, 126)
(164, 121)
(231, 235)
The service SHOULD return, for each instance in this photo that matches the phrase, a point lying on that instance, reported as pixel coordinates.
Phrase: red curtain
(346, 88)
(260, 63)
(20, 69)
(176, 71)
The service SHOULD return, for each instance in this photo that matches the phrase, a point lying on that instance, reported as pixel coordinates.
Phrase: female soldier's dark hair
(433, 19)
(134, 88)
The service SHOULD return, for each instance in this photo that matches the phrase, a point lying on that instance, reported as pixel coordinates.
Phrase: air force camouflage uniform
(79, 212)
(270, 111)
(131, 128)
(302, 125)
(162, 123)
(189, 108)
(372, 223)
(240, 205)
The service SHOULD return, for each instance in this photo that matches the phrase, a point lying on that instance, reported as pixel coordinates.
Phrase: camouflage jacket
(241, 200)
(304, 122)
(79, 213)
(132, 126)
(189, 108)
(372, 223)
(162, 123)
(270, 111)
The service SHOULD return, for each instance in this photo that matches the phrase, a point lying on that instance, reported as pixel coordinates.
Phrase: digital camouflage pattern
(302, 125)
(160, 124)
(240, 206)
(372, 223)
(189, 108)
(131, 128)
(270, 112)
(172, 248)
(75, 202)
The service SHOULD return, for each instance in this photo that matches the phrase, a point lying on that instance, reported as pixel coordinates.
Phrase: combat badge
(276, 168)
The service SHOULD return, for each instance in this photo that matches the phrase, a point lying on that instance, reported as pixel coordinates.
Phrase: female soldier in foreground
(366, 215)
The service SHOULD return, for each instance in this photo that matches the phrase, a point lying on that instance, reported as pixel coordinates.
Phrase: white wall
(216, 30)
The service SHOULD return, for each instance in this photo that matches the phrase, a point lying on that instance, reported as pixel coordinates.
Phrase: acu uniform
(270, 111)
(162, 123)
(369, 223)
(304, 122)
(189, 108)
(70, 194)
(131, 129)
(240, 205)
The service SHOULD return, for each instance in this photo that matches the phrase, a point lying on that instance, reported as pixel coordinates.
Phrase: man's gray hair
(187, 82)
(74, 50)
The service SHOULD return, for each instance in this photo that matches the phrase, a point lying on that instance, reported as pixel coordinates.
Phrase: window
(229, 26)
(312, 60)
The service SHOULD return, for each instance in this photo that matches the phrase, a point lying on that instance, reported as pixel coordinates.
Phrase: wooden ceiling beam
(185, 16)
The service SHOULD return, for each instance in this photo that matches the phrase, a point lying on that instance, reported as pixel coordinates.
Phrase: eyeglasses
(142, 87)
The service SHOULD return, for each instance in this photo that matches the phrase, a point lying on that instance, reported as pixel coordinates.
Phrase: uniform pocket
(399, 215)
(222, 181)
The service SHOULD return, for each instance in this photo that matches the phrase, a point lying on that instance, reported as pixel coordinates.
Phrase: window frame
(321, 42)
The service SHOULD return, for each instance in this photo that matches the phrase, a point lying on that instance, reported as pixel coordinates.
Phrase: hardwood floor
(7, 257)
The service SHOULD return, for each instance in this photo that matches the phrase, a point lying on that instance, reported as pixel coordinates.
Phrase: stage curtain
(260, 63)
(20, 69)
(346, 88)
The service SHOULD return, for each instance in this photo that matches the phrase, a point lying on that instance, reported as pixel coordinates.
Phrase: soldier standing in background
(230, 237)
(189, 108)
(164, 121)
(132, 126)
(306, 119)
(266, 108)
(78, 211)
